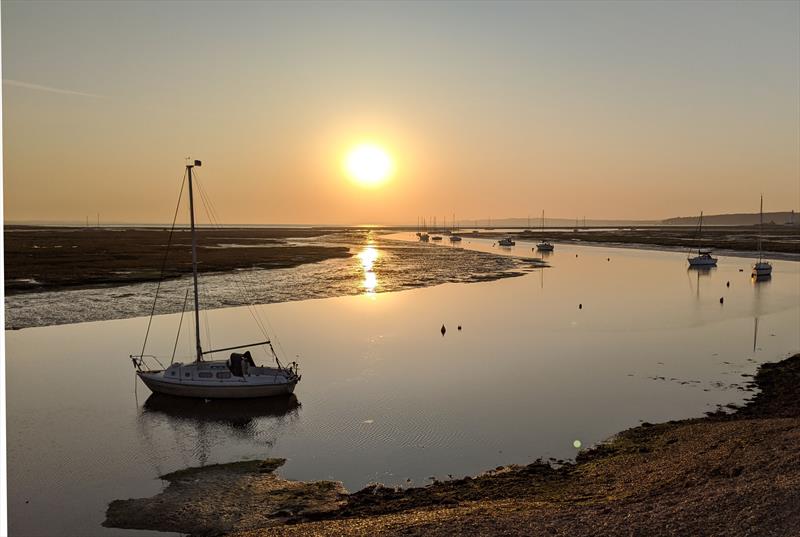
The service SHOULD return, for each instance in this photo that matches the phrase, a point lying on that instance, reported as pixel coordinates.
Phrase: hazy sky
(608, 110)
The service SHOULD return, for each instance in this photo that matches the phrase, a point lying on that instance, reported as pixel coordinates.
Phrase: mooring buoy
(459, 327)
(721, 300)
(580, 306)
(443, 329)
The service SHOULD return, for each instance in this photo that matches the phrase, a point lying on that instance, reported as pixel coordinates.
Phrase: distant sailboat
(703, 258)
(544, 245)
(235, 378)
(762, 269)
(453, 236)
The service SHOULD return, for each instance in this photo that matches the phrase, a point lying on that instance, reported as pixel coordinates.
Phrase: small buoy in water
(576, 255)
(580, 306)
(728, 284)
(741, 270)
(721, 300)
(459, 327)
(443, 329)
(608, 259)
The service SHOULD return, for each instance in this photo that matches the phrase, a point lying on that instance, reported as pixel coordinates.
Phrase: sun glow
(369, 165)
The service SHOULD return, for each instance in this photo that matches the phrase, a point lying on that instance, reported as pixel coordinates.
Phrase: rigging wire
(163, 264)
(248, 302)
(180, 323)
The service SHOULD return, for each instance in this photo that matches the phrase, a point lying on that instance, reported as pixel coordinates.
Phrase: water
(384, 396)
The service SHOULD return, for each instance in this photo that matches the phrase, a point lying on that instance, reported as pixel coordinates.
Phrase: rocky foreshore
(728, 473)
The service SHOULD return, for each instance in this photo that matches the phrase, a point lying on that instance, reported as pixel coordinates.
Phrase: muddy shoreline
(39, 259)
(728, 473)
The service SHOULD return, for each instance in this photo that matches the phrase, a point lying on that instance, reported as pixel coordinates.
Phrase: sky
(624, 110)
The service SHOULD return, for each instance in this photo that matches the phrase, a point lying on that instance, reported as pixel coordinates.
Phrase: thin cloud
(28, 85)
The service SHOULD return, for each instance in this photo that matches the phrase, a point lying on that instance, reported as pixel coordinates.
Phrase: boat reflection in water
(235, 413)
(202, 427)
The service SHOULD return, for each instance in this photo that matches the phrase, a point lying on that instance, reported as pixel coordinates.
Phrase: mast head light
(198, 163)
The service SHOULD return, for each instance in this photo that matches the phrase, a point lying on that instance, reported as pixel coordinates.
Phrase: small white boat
(236, 378)
(761, 269)
(703, 258)
(506, 241)
(436, 238)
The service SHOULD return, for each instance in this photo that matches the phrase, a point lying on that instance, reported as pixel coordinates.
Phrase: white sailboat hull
(702, 261)
(545, 247)
(762, 269)
(239, 389)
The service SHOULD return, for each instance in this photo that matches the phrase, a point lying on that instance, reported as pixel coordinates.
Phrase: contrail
(28, 85)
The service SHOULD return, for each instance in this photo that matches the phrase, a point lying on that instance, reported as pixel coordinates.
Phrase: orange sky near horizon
(607, 110)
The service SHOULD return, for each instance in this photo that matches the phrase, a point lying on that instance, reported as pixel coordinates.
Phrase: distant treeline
(741, 219)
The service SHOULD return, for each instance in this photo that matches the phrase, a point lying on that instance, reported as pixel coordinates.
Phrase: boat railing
(141, 364)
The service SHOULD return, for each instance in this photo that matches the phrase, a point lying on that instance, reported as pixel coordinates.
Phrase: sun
(369, 164)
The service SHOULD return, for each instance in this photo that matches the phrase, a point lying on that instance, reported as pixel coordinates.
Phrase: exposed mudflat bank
(727, 474)
(50, 258)
(776, 239)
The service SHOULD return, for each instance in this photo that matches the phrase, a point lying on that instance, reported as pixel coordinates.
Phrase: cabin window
(187, 374)
(223, 375)
(205, 375)
(172, 373)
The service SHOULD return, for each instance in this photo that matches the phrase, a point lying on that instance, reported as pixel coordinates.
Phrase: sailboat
(703, 258)
(544, 245)
(454, 237)
(762, 269)
(235, 378)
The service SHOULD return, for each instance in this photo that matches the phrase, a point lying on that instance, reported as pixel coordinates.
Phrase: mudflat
(53, 258)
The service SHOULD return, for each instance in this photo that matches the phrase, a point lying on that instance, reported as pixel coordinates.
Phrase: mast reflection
(200, 426)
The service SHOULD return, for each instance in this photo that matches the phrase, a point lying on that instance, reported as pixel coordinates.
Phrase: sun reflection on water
(368, 256)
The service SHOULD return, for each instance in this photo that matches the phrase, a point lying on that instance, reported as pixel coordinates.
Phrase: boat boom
(238, 347)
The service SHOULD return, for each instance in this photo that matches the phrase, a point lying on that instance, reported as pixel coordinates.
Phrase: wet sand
(729, 473)
(51, 258)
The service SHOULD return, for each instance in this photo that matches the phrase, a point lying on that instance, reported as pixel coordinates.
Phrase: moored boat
(544, 245)
(762, 269)
(235, 378)
(703, 259)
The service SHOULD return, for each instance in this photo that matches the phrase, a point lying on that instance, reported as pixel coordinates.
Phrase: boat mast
(760, 225)
(700, 231)
(189, 168)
